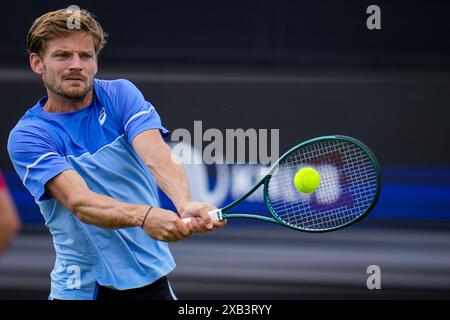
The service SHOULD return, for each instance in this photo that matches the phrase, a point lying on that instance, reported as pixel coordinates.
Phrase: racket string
(347, 188)
(320, 218)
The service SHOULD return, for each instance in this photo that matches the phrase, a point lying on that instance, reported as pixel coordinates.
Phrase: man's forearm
(103, 211)
(173, 181)
(170, 176)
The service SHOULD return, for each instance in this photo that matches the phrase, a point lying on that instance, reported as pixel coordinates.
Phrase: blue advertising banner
(407, 192)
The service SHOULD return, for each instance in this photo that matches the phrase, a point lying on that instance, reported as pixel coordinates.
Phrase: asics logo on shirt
(102, 116)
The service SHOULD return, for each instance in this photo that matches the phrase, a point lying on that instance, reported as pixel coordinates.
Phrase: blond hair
(56, 24)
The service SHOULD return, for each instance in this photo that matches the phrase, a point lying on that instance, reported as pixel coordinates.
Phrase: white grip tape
(216, 215)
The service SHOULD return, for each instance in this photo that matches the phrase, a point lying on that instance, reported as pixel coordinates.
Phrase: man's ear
(36, 63)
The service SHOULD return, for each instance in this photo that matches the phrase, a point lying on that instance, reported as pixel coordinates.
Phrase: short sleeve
(35, 158)
(135, 113)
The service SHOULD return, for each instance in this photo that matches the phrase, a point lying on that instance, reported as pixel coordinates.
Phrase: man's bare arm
(172, 178)
(72, 191)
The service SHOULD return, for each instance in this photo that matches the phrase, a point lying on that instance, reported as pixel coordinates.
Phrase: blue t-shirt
(96, 142)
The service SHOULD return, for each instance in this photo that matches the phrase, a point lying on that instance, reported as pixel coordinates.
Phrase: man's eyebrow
(60, 51)
(70, 51)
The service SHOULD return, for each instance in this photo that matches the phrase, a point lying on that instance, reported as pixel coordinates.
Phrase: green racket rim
(361, 145)
(244, 215)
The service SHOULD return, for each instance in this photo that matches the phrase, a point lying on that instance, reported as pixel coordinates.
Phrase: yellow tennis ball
(306, 180)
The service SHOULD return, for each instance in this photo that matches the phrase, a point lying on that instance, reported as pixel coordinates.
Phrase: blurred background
(307, 68)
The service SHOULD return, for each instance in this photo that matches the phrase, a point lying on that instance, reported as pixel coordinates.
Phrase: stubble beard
(68, 92)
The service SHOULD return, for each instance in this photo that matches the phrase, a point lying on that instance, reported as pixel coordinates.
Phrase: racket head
(349, 188)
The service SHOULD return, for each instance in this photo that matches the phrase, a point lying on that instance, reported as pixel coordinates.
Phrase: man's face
(68, 65)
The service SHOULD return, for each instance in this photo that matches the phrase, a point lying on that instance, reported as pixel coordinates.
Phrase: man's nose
(75, 63)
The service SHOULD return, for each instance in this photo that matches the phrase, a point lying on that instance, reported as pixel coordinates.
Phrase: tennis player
(9, 220)
(92, 153)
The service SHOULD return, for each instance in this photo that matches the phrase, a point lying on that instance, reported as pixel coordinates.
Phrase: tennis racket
(350, 184)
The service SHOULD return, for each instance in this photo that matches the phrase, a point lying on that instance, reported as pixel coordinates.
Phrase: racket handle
(216, 215)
